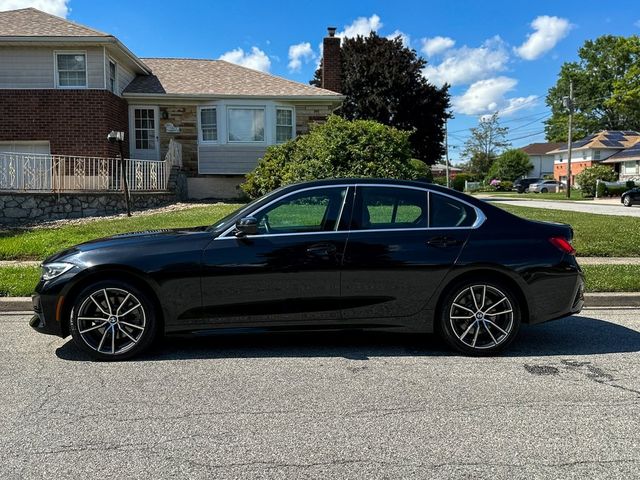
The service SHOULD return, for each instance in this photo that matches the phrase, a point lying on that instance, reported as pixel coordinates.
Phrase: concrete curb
(600, 299)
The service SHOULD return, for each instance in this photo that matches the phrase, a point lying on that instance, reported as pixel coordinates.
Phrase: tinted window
(383, 207)
(446, 212)
(309, 211)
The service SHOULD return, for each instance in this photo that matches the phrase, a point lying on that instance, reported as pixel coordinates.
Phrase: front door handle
(324, 250)
(442, 241)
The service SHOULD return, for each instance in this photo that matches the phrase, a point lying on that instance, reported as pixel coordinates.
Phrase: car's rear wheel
(626, 201)
(480, 317)
(112, 320)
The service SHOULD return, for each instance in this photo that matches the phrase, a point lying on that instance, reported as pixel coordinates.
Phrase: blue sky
(499, 55)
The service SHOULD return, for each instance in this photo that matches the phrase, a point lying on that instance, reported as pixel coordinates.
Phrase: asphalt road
(564, 402)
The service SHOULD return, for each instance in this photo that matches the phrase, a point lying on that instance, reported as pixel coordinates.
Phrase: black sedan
(333, 254)
(631, 197)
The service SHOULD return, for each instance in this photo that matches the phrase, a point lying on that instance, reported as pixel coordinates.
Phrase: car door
(402, 244)
(288, 272)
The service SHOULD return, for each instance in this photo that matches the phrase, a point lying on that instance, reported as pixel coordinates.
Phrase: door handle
(321, 250)
(441, 242)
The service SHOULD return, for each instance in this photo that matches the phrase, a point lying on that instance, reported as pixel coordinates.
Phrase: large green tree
(510, 165)
(484, 144)
(382, 80)
(606, 85)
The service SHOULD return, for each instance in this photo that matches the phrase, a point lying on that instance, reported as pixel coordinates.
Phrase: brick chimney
(331, 64)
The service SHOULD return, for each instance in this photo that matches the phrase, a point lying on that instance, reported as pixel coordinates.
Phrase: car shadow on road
(577, 335)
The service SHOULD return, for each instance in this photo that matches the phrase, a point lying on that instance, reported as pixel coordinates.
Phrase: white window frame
(115, 78)
(247, 107)
(276, 125)
(200, 136)
(57, 73)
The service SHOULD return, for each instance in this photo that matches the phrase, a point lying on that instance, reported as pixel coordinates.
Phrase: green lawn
(594, 235)
(37, 244)
(20, 281)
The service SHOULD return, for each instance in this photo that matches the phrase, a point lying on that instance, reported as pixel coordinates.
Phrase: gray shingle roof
(175, 76)
(29, 22)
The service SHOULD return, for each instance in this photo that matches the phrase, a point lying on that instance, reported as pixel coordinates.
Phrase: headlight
(53, 270)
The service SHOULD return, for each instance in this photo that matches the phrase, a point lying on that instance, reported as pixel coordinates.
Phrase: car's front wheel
(113, 320)
(480, 318)
(544, 190)
(626, 201)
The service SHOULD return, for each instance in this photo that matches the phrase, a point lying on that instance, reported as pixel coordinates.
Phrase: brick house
(611, 147)
(64, 86)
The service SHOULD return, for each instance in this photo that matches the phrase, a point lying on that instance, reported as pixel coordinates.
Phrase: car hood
(139, 238)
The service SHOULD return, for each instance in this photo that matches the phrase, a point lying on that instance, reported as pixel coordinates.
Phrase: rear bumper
(558, 304)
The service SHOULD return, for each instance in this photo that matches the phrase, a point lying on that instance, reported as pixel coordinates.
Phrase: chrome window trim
(480, 216)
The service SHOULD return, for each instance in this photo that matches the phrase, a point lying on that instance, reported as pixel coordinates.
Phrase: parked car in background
(545, 186)
(332, 254)
(631, 197)
(522, 185)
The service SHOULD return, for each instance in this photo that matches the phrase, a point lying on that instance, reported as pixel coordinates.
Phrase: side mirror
(246, 226)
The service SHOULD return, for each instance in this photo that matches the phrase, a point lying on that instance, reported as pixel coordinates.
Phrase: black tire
(489, 338)
(128, 330)
(544, 190)
(626, 201)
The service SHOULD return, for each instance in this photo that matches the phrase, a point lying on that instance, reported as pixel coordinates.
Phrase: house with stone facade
(65, 86)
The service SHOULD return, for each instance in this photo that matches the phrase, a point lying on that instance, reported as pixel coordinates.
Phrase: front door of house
(143, 125)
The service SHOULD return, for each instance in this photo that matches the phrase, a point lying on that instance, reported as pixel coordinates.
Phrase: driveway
(563, 403)
(600, 208)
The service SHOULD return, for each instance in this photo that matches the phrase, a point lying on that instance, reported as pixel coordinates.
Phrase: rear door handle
(441, 242)
(322, 250)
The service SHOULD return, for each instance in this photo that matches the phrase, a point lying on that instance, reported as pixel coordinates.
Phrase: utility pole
(446, 150)
(568, 102)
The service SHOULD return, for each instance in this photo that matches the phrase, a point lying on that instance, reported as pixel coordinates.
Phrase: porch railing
(64, 173)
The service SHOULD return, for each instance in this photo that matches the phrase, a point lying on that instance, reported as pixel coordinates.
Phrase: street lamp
(118, 137)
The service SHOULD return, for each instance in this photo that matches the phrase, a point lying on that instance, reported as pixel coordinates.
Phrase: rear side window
(445, 212)
(383, 208)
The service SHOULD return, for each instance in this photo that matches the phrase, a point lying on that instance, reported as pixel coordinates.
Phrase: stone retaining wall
(18, 208)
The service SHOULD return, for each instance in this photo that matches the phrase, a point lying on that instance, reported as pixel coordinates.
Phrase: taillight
(563, 245)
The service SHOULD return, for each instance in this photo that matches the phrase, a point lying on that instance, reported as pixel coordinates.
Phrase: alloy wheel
(627, 201)
(481, 317)
(111, 321)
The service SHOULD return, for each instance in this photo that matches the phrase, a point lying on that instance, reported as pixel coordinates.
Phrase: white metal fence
(64, 173)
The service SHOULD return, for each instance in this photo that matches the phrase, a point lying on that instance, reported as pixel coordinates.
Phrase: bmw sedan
(326, 255)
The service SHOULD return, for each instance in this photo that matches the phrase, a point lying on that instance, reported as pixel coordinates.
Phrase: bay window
(245, 124)
(209, 125)
(71, 70)
(284, 124)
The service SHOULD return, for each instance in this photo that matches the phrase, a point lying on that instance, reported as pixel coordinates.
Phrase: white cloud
(299, 53)
(548, 32)
(465, 65)
(488, 96)
(55, 7)
(256, 59)
(362, 26)
(436, 45)
(406, 39)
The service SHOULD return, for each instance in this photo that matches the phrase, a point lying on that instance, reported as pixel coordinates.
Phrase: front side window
(209, 125)
(72, 70)
(445, 212)
(246, 124)
(310, 211)
(596, 154)
(384, 208)
(284, 125)
(112, 76)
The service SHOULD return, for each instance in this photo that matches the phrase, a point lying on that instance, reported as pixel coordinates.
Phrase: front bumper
(44, 318)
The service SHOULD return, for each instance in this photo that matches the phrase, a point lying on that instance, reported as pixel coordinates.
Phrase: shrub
(588, 177)
(630, 184)
(423, 171)
(602, 190)
(506, 186)
(511, 164)
(458, 182)
(337, 148)
(440, 180)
